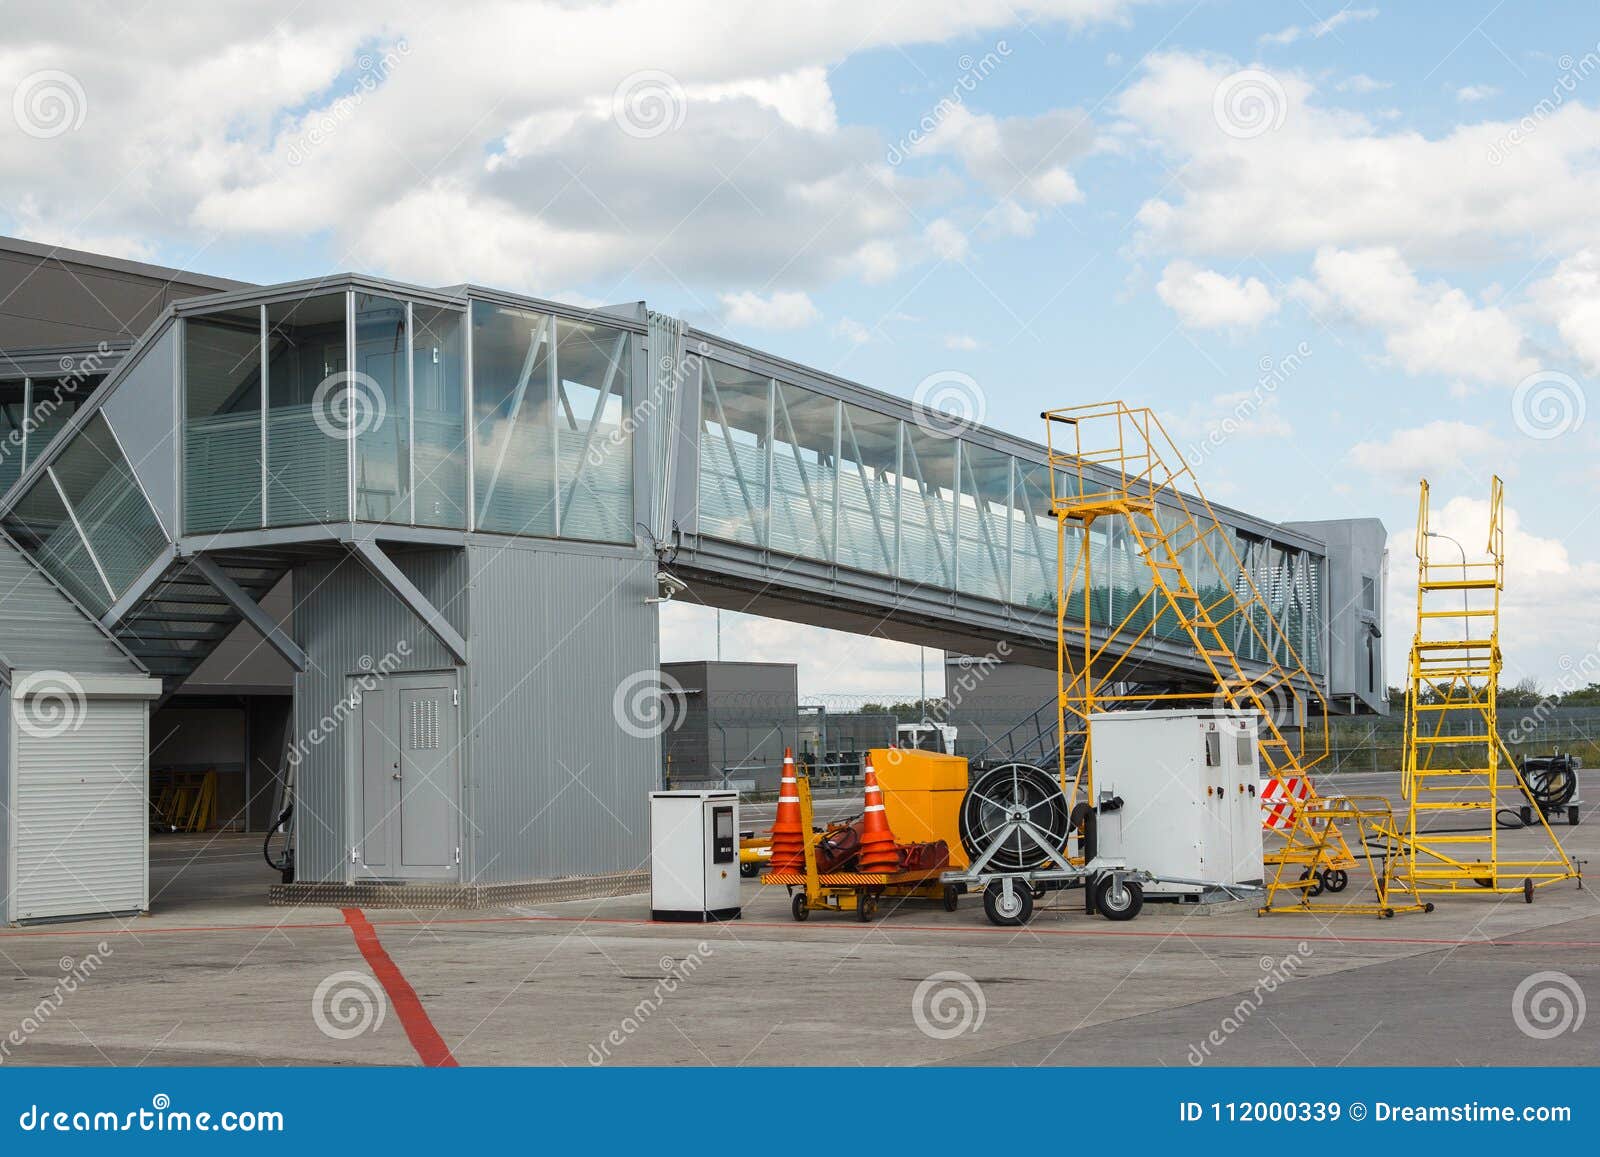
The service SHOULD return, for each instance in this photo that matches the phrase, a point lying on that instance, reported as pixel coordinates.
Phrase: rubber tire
(952, 897)
(992, 898)
(1428, 907)
(1388, 913)
(866, 908)
(749, 871)
(797, 907)
(1527, 890)
(1316, 883)
(1102, 899)
(1335, 880)
(1049, 812)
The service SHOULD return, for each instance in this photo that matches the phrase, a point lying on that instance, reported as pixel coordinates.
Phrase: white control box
(1190, 787)
(694, 856)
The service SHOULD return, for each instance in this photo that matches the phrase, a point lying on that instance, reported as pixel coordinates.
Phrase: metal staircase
(183, 617)
(1115, 465)
(1455, 762)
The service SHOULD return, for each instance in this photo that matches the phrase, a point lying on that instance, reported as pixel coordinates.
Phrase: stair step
(1451, 740)
(1462, 805)
(1459, 585)
(1464, 613)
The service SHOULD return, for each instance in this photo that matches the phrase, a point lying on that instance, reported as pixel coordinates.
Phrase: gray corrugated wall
(557, 788)
(341, 616)
(5, 801)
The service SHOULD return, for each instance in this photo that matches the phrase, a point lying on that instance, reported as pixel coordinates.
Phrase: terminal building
(395, 554)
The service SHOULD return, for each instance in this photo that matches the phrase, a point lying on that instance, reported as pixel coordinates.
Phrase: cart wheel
(1527, 890)
(1007, 913)
(1118, 903)
(1484, 882)
(866, 908)
(1316, 883)
(749, 871)
(1572, 815)
(1428, 907)
(1388, 913)
(798, 907)
(1335, 880)
(952, 897)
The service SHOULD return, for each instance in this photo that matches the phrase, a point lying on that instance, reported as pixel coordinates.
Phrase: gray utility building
(433, 526)
(730, 722)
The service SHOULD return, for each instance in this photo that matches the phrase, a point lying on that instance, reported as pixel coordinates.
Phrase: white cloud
(1439, 448)
(1543, 585)
(1362, 84)
(784, 309)
(947, 240)
(1428, 328)
(1321, 28)
(1570, 298)
(1472, 93)
(227, 125)
(1206, 299)
(852, 331)
(1331, 177)
(1019, 157)
(961, 342)
(1223, 417)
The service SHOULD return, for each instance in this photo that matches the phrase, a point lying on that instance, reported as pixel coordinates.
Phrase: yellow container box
(922, 793)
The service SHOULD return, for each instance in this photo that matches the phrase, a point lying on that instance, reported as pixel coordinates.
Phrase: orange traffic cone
(878, 851)
(788, 834)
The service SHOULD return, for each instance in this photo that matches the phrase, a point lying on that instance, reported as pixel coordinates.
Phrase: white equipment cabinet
(694, 856)
(1189, 783)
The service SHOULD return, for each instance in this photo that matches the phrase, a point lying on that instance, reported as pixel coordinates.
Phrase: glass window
(735, 406)
(13, 410)
(1033, 542)
(927, 508)
(439, 418)
(380, 421)
(869, 472)
(40, 522)
(594, 446)
(514, 447)
(222, 421)
(315, 409)
(122, 530)
(985, 513)
(803, 455)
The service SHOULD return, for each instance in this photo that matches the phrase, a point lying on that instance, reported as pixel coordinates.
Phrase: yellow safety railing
(1455, 763)
(1113, 461)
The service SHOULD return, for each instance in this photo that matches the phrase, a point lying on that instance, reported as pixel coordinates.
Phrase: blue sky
(1142, 201)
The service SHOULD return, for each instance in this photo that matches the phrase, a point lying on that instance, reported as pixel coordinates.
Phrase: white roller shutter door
(81, 818)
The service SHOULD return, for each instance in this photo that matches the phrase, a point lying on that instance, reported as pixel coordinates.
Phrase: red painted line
(424, 1037)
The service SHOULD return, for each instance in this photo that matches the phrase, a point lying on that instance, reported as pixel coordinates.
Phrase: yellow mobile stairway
(1456, 765)
(1111, 465)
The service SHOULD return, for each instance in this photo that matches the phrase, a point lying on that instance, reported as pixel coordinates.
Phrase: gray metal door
(409, 793)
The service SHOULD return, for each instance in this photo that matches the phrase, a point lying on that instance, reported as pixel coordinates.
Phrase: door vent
(424, 724)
